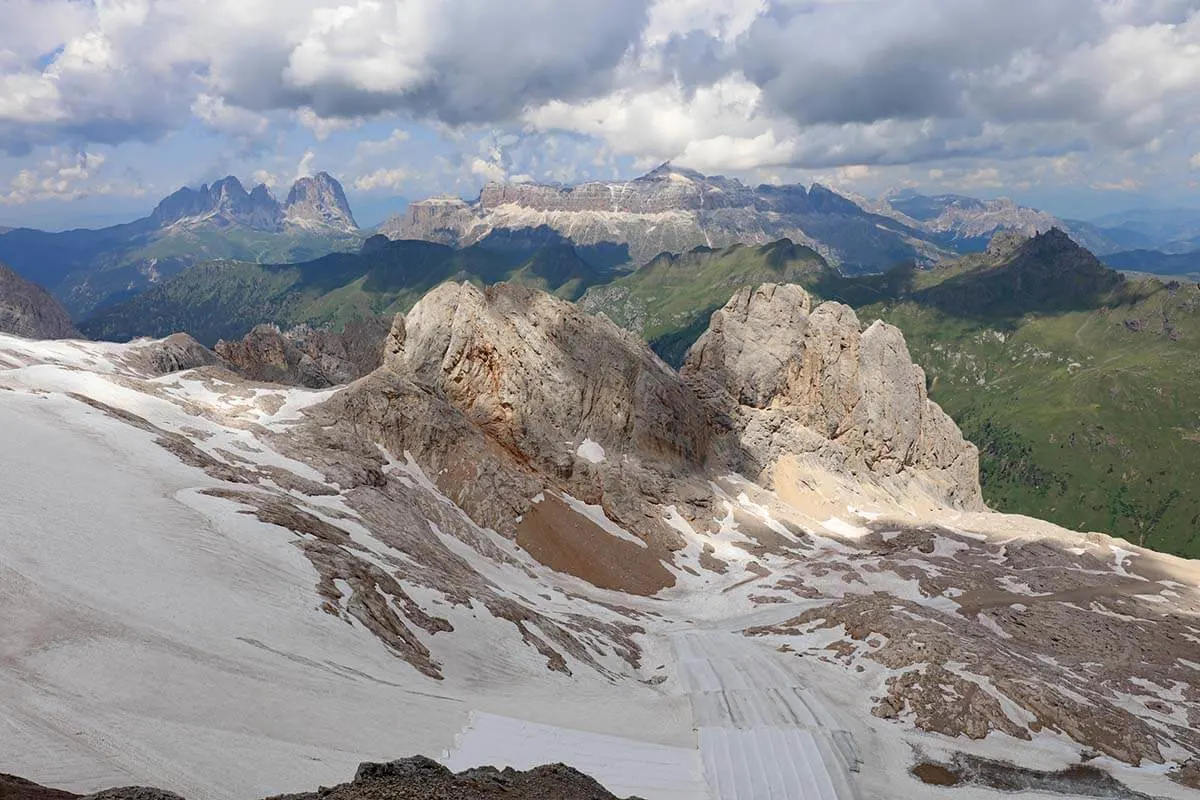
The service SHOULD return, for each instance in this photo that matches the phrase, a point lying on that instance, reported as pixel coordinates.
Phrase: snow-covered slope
(231, 589)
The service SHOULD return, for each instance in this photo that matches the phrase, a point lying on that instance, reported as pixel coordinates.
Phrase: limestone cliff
(795, 379)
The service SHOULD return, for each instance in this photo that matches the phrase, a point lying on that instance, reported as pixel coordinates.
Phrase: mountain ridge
(669, 209)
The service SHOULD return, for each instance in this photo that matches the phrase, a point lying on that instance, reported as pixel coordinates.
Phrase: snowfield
(158, 631)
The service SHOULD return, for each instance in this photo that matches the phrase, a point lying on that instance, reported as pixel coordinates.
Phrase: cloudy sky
(1079, 106)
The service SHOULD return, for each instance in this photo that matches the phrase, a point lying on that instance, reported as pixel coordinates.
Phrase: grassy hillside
(91, 269)
(1081, 387)
(225, 299)
(1088, 418)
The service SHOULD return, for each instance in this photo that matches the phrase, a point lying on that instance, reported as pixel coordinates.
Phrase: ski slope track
(231, 590)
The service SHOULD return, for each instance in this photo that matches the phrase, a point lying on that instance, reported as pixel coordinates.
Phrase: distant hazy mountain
(1170, 230)
(967, 224)
(28, 310)
(1156, 262)
(90, 269)
(667, 210)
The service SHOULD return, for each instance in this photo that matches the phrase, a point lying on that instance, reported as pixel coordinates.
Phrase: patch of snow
(840, 527)
(590, 451)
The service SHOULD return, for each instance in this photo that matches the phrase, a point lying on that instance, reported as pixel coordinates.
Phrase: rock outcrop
(667, 210)
(28, 310)
(796, 379)
(304, 356)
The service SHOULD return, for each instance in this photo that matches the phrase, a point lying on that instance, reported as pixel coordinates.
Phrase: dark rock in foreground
(416, 778)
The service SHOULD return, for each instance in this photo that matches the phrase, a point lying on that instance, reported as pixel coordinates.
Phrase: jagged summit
(314, 203)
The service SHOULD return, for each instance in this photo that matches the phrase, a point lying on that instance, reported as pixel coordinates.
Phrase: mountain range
(670, 210)
(226, 299)
(90, 269)
(611, 225)
(674, 210)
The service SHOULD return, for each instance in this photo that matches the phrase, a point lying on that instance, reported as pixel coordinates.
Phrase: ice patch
(843, 528)
(590, 451)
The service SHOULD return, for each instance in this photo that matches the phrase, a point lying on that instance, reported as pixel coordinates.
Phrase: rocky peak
(225, 203)
(28, 310)
(318, 201)
(805, 380)
(823, 200)
(536, 372)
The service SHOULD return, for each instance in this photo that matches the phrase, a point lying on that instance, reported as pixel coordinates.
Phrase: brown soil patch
(568, 542)
(935, 775)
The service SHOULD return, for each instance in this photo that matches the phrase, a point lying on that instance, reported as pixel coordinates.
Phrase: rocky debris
(794, 380)
(416, 778)
(1188, 773)
(305, 356)
(28, 310)
(316, 203)
(1078, 780)
(1059, 649)
(134, 793)
(424, 779)
(667, 210)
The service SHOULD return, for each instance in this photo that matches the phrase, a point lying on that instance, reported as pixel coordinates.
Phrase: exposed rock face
(28, 310)
(315, 203)
(305, 356)
(778, 364)
(319, 202)
(667, 210)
